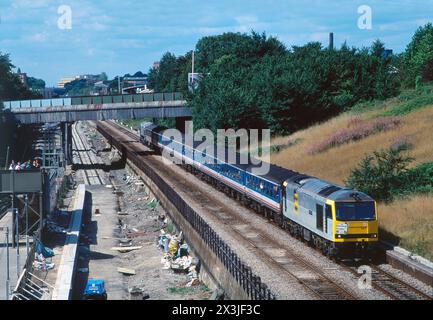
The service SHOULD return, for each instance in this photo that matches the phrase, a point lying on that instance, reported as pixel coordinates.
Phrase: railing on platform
(99, 100)
(20, 182)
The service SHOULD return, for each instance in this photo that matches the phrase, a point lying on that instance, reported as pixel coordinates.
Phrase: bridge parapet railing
(85, 100)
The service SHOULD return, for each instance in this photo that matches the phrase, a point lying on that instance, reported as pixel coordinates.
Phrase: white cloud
(30, 4)
(39, 37)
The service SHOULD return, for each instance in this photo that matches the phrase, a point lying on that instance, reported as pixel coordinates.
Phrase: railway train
(337, 220)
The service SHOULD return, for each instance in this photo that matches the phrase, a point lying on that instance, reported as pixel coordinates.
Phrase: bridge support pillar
(66, 128)
(181, 123)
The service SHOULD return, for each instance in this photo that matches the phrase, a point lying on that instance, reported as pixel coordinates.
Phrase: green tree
(418, 56)
(35, 84)
(103, 77)
(383, 174)
(11, 87)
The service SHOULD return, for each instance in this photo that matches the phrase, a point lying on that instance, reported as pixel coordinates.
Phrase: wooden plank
(126, 249)
(126, 271)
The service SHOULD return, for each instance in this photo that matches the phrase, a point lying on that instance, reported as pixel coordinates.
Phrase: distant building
(134, 81)
(51, 93)
(386, 53)
(156, 65)
(90, 78)
(23, 77)
(65, 80)
(100, 88)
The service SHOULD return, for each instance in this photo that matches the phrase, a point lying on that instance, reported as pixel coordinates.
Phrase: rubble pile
(177, 258)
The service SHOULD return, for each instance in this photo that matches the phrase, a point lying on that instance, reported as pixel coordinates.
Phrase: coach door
(283, 198)
(319, 217)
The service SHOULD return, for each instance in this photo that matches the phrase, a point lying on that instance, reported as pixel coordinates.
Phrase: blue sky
(125, 36)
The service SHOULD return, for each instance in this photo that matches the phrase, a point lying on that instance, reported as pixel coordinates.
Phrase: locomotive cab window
(352, 211)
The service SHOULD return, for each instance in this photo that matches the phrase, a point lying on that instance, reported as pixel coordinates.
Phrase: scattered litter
(136, 290)
(120, 213)
(43, 265)
(173, 246)
(193, 282)
(45, 251)
(182, 251)
(152, 203)
(126, 271)
(181, 264)
(218, 294)
(108, 186)
(125, 243)
(54, 228)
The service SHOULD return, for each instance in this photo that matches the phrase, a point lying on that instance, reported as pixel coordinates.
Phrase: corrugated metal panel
(117, 99)
(168, 96)
(97, 100)
(127, 98)
(148, 97)
(138, 97)
(46, 103)
(57, 102)
(87, 100)
(25, 104)
(76, 101)
(67, 101)
(178, 96)
(158, 96)
(15, 104)
(35, 103)
(107, 99)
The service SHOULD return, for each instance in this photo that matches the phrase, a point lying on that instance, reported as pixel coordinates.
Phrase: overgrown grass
(169, 228)
(415, 103)
(411, 220)
(357, 129)
(181, 290)
(407, 101)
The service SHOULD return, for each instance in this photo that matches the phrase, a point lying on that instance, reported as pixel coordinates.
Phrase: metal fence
(251, 283)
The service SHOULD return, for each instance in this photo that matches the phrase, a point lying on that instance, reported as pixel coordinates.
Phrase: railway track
(312, 278)
(391, 286)
(86, 158)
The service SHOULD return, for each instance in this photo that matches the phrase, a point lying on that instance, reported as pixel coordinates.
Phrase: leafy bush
(385, 175)
(357, 129)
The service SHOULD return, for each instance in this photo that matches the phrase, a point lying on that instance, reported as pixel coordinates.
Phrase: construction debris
(177, 258)
(126, 271)
(126, 249)
(38, 265)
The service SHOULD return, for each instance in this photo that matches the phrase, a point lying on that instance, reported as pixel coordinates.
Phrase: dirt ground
(144, 219)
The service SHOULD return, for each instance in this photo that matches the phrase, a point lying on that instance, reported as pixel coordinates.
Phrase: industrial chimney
(331, 41)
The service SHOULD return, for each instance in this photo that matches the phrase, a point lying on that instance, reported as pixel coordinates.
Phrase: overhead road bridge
(100, 108)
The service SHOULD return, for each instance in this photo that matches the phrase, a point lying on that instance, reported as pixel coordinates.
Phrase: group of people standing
(28, 165)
